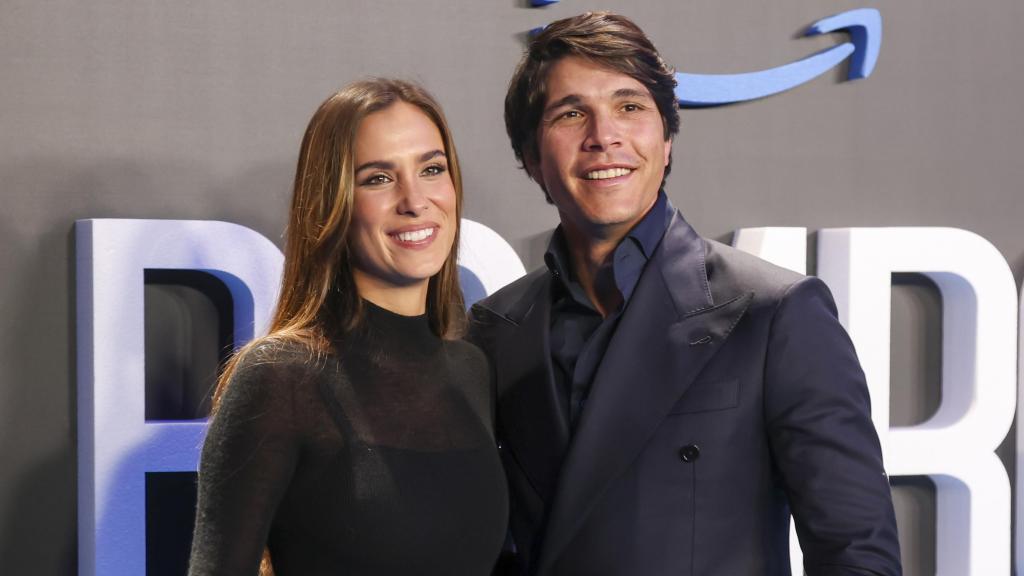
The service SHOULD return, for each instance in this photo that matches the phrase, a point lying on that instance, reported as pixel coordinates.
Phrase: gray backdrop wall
(194, 110)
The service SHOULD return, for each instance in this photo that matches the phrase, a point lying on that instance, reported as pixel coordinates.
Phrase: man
(664, 401)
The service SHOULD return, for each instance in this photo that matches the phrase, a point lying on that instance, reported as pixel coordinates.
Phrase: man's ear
(532, 168)
(668, 151)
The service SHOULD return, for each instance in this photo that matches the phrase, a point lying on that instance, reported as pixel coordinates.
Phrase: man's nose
(412, 199)
(603, 131)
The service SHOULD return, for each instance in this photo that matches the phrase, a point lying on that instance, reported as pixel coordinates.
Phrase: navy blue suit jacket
(729, 396)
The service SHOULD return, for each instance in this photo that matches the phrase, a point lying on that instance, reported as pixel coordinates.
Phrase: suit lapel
(534, 428)
(668, 332)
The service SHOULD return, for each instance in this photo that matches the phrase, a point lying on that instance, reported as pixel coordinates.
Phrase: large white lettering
(956, 446)
(488, 258)
(786, 247)
(116, 446)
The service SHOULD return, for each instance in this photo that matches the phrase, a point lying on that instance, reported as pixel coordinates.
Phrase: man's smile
(607, 173)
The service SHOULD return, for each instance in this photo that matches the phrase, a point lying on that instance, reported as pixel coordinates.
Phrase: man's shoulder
(730, 269)
(508, 300)
(504, 309)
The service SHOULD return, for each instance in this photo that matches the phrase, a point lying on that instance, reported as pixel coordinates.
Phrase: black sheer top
(378, 459)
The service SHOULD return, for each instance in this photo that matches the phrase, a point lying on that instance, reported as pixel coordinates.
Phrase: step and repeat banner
(146, 157)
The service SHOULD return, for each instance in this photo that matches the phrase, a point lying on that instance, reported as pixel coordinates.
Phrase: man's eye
(570, 114)
(631, 107)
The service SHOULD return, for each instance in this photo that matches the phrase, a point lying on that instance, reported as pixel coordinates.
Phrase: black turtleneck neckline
(394, 331)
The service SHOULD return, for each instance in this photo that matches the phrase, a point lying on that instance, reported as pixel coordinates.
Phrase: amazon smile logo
(864, 26)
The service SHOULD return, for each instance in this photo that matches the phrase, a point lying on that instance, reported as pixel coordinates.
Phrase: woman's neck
(408, 300)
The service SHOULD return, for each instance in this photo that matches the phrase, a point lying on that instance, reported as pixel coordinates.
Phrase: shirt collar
(645, 236)
(648, 231)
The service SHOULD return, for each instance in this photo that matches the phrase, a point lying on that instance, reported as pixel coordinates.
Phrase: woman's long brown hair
(318, 298)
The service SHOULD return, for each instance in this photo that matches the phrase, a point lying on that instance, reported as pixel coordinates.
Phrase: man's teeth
(610, 173)
(415, 235)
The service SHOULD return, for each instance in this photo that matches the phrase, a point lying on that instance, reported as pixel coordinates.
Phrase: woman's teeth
(605, 174)
(415, 235)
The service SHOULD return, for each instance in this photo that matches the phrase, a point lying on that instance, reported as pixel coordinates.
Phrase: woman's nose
(413, 199)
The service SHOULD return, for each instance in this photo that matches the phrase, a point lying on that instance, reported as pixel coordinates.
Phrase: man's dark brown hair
(606, 39)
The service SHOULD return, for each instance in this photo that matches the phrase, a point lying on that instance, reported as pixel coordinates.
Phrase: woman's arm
(247, 462)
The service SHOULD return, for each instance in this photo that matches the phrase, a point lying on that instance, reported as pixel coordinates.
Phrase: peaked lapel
(668, 332)
(533, 426)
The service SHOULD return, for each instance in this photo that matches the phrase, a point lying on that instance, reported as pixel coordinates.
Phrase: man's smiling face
(601, 148)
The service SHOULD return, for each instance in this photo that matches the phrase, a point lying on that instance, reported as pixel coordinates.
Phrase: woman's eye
(434, 170)
(376, 180)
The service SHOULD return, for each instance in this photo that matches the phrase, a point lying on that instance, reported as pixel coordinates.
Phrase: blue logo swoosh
(864, 25)
(865, 28)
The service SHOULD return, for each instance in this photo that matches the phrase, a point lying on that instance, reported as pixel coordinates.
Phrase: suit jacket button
(689, 453)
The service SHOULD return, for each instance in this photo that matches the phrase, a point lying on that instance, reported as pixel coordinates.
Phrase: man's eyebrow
(632, 93)
(575, 100)
(570, 100)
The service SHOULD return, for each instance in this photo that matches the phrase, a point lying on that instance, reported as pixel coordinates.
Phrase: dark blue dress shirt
(579, 334)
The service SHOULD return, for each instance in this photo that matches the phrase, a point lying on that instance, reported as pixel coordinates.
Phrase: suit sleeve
(481, 334)
(246, 465)
(823, 441)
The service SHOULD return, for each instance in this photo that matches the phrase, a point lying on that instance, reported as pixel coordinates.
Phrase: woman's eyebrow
(378, 164)
(431, 155)
(385, 165)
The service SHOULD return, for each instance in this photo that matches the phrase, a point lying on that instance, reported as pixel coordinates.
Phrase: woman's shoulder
(272, 378)
(275, 361)
(465, 351)
(275, 352)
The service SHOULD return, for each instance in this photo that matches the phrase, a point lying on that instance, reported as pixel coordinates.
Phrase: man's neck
(591, 259)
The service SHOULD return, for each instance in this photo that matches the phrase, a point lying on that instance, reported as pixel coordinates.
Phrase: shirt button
(689, 453)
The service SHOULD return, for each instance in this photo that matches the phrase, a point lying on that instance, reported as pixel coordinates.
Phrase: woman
(356, 437)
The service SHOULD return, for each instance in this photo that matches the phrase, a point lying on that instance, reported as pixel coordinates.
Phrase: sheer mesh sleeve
(247, 462)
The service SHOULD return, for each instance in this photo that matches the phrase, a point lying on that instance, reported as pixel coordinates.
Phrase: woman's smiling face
(404, 205)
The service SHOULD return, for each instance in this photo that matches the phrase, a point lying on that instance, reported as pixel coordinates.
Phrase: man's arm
(481, 333)
(818, 415)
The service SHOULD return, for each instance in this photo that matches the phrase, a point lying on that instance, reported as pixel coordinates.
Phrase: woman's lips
(415, 237)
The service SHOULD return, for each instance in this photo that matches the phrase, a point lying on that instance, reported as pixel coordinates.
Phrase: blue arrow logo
(865, 28)
(864, 25)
